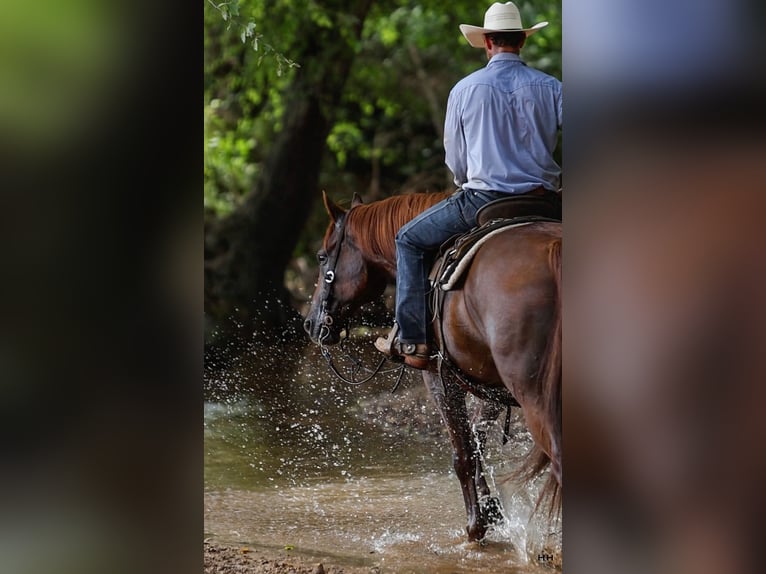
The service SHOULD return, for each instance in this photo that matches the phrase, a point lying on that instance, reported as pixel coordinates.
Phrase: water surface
(296, 459)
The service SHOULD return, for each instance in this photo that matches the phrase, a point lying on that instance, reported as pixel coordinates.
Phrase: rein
(324, 332)
(358, 366)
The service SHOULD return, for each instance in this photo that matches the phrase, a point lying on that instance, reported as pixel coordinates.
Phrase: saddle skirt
(493, 218)
(451, 265)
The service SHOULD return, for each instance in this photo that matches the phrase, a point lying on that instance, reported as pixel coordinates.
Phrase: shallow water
(296, 459)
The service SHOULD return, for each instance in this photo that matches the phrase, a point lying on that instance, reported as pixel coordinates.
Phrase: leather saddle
(547, 205)
(495, 215)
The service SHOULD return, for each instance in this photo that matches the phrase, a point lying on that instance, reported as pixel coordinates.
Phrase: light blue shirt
(502, 127)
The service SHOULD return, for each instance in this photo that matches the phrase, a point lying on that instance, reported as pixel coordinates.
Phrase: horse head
(346, 278)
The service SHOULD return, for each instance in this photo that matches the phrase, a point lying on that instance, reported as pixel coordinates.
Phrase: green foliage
(410, 56)
(543, 50)
(229, 12)
(245, 81)
(228, 173)
(390, 118)
(344, 136)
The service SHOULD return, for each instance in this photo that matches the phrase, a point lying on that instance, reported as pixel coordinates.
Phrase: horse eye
(321, 257)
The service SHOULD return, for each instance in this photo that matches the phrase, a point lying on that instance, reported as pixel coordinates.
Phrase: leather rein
(328, 321)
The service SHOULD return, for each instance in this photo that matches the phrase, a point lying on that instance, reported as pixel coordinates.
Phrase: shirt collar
(504, 57)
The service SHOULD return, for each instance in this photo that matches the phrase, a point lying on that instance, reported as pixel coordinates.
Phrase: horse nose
(308, 325)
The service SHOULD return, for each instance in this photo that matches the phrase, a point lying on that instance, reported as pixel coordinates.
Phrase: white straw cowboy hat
(498, 18)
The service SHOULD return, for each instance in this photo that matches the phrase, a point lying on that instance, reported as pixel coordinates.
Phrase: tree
(246, 252)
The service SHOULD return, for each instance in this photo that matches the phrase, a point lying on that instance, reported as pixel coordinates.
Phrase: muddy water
(296, 460)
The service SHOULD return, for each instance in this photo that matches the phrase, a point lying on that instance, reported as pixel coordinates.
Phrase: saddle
(547, 205)
(492, 218)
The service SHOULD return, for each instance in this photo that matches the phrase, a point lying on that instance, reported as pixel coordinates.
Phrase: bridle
(328, 321)
(329, 279)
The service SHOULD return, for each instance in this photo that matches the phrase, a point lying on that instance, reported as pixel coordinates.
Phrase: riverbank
(227, 559)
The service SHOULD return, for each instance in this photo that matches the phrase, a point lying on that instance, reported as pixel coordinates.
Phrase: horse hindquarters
(504, 328)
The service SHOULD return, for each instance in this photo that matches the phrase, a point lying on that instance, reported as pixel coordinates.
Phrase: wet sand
(229, 559)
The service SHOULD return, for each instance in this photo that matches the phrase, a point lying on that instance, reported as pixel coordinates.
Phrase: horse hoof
(493, 511)
(476, 533)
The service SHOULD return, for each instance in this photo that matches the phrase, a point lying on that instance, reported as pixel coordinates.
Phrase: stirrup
(387, 345)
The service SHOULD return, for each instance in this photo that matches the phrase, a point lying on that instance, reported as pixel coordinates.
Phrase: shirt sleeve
(560, 105)
(454, 141)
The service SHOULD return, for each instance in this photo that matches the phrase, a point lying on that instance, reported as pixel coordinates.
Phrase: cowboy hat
(498, 18)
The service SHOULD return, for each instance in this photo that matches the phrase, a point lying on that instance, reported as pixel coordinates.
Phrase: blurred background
(104, 252)
(101, 290)
(664, 281)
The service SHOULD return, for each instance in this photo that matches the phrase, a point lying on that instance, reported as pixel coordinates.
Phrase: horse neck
(375, 225)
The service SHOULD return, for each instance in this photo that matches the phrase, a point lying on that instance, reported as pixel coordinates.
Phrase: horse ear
(335, 211)
(356, 200)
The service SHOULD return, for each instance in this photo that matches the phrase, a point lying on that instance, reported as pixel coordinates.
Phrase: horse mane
(374, 225)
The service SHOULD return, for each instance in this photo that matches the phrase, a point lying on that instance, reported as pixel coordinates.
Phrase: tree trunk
(247, 252)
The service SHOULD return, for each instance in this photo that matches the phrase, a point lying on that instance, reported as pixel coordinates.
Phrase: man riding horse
(500, 133)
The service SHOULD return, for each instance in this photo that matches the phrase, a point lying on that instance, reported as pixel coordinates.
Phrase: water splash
(389, 538)
(293, 457)
(530, 531)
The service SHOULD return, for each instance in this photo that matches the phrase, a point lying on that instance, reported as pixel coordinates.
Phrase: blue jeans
(416, 245)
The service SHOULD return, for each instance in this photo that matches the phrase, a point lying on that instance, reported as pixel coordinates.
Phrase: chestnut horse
(501, 328)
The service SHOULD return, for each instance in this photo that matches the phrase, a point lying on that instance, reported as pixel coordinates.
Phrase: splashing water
(531, 532)
(294, 458)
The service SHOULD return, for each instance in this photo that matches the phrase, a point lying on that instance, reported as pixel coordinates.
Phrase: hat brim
(475, 34)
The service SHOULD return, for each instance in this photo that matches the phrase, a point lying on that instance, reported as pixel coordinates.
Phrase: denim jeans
(416, 245)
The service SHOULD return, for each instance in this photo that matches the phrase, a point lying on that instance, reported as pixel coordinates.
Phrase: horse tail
(550, 370)
(552, 393)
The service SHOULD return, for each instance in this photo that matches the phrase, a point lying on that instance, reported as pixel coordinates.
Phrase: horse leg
(450, 400)
(485, 414)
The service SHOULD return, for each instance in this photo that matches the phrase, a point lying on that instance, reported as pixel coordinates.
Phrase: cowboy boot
(414, 355)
